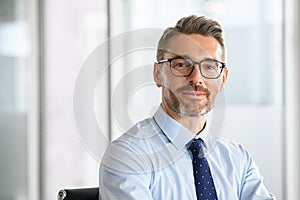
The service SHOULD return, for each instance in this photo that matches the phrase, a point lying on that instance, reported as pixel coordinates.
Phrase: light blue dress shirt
(151, 162)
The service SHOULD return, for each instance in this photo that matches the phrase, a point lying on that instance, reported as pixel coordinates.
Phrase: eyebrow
(188, 57)
(180, 56)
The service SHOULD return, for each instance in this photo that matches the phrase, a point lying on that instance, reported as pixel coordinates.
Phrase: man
(173, 155)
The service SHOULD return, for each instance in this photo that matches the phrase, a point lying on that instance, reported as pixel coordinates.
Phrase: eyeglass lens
(184, 67)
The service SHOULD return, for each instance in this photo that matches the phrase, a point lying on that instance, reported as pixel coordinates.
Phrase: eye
(180, 63)
(209, 66)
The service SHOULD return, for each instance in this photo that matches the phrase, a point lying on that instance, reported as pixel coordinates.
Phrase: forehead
(195, 46)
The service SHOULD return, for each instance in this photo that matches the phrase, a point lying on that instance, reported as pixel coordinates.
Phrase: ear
(157, 74)
(224, 77)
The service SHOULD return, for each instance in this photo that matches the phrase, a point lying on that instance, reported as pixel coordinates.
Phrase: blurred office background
(44, 45)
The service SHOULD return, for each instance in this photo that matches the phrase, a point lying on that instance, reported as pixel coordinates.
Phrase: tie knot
(196, 146)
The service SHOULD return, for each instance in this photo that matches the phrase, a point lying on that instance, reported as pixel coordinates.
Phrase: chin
(194, 112)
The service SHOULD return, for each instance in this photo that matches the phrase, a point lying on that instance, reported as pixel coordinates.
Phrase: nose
(196, 78)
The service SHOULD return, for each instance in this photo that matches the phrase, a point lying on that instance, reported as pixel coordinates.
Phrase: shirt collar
(203, 135)
(174, 131)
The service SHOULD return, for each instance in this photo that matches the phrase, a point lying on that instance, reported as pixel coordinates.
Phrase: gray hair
(191, 25)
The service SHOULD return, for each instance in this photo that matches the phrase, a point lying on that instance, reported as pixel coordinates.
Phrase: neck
(194, 124)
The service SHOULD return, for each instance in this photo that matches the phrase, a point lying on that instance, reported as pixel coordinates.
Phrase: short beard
(181, 110)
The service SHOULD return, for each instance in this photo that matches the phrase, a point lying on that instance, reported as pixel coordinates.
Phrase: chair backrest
(79, 194)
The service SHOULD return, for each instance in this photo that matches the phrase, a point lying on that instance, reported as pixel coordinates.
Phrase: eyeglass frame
(223, 65)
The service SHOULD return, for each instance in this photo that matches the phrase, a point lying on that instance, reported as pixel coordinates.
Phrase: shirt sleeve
(124, 175)
(253, 187)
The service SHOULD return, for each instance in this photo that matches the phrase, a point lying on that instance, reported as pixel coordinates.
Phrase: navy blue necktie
(204, 184)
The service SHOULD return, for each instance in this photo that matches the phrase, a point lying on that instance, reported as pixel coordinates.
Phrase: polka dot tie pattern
(204, 184)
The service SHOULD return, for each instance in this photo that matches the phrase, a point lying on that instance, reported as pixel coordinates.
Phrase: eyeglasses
(183, 67)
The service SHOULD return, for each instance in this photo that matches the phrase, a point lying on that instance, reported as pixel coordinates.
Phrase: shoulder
(146, 128)
(230, 146)
(141, 138)
(130, 152)
(231, 151)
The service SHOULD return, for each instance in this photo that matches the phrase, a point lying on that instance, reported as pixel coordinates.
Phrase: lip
(195, 94)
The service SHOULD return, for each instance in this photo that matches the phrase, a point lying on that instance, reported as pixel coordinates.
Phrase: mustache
(190, 88)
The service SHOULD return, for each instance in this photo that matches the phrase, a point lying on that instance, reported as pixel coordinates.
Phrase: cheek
(169, 81)
(214, 86)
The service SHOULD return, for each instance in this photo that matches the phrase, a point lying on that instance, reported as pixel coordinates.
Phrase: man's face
(193, 95)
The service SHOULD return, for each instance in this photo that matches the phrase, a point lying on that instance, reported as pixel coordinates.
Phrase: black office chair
(79, 194)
